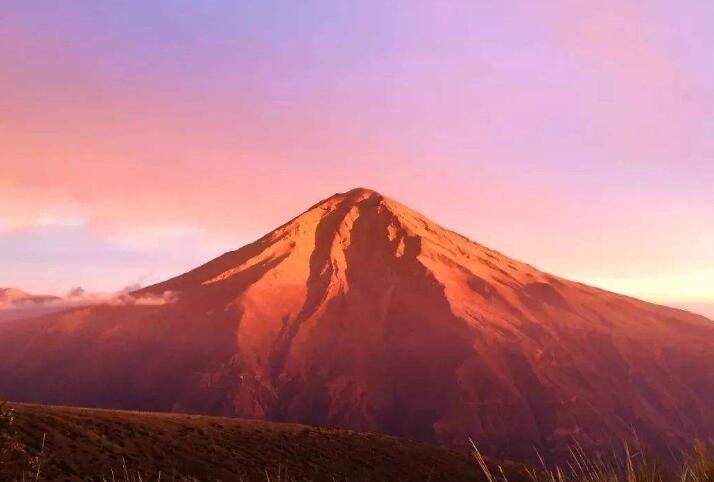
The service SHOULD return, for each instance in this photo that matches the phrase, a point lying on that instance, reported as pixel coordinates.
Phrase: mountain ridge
(77, 444)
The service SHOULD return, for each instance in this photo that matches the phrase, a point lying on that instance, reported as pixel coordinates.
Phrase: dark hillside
(87, 444)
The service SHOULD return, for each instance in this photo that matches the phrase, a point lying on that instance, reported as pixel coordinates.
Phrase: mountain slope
(361, 313)
(82, 444)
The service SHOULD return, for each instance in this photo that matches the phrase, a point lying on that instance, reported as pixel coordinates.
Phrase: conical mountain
(362, 313)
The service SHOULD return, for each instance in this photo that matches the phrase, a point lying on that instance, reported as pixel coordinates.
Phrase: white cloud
(78, 297)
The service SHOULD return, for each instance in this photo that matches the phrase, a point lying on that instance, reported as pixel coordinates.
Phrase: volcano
(362, 313)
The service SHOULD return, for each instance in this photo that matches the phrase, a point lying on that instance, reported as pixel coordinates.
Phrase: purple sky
(138, 139)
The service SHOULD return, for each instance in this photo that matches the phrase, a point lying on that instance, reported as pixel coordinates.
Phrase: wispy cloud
(77, 297)
(53, 258)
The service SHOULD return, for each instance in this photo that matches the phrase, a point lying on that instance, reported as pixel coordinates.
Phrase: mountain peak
(359, 223)
(361, 191)
(353, 196)
(360, 202)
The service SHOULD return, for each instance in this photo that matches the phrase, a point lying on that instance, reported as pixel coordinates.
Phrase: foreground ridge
(86, 444)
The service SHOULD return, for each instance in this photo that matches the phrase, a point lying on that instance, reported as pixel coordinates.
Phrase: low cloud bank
(25, 308)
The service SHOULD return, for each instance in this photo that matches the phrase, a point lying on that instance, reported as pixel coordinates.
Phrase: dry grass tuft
(13, 454)
(632, 466)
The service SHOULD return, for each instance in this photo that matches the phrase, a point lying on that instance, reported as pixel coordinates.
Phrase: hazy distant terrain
(15, 303)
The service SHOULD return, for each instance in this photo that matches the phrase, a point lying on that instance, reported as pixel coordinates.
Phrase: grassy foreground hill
(91, 444)
(43, 443)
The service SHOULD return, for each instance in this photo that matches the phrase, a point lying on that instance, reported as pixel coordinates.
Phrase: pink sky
(138, 141)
